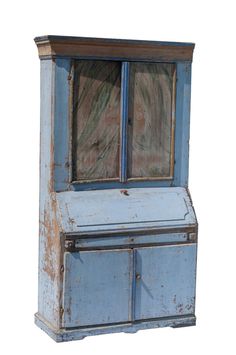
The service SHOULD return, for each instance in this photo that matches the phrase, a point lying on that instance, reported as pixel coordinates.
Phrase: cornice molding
(117, 49)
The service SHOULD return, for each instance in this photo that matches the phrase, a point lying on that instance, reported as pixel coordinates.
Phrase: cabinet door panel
(165, 282)
(151, 120)
(97, 287)
(96, 120)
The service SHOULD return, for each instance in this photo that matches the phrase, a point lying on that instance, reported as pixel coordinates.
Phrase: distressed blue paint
(142, 208)
(119, 241)
(116, 185)
(97, 287)
(61, 335)
(100, 286)
(183, 88)
(48, 288)
(167, 281)
(124, 120)
(61, 125)
(133, 285)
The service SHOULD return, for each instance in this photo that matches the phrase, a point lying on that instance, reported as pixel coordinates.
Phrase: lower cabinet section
(126, 285)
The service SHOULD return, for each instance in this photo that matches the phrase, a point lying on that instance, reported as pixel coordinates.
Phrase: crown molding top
(117, 49)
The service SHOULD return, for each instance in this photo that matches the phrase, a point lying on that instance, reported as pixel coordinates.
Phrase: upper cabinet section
(118, 112)
(145, 150)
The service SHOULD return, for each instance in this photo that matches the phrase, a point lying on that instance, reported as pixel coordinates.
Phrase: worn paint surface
(150, 119)
(97, 287)
(183, 96)
(133, 281)
(143, 207)
(61, 125)
(167, 281)
(49, 239)
(106, 286)
(96, 120)
(79, 333)
(119, 240)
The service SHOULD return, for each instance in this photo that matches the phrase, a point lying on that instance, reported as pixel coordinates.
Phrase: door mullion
(124, 120)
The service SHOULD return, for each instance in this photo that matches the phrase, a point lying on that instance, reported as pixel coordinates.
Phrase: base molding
(61, 335)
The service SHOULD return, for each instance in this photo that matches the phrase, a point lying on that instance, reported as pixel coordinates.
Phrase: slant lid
(137, 209)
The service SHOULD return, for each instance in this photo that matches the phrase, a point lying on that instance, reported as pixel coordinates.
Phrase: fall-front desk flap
(116, 209)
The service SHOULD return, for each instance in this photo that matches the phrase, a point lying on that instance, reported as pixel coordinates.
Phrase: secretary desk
(118, 232)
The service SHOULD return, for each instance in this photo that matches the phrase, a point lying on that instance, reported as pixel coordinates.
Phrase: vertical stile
(183, 96)
(133, 285)
(124, 120)
(70, 119)
(173, 118)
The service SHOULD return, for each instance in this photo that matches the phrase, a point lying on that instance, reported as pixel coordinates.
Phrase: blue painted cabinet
(118, 232)
(124, 285)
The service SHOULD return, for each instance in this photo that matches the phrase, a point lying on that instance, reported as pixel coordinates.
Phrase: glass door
(123, 118)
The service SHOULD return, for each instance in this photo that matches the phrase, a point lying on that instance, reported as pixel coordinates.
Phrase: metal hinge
(61, 311)
(69, 244)
(192, 237)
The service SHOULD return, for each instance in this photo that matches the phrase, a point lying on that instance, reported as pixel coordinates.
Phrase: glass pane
(96, 120)
(150, 123)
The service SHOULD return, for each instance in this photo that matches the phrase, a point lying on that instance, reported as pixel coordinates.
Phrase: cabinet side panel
(49, 246)
(61, 125)
(183, 96)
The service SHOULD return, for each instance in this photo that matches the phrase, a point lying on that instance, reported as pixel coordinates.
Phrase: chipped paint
(136, 253)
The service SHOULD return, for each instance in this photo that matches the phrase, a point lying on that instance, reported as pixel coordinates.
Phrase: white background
(211, 25)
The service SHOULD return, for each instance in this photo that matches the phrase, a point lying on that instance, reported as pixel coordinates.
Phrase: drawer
(81, 243)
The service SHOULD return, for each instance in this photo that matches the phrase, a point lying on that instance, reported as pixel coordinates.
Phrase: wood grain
(99, 48)
(96, 120)
(150, 120)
